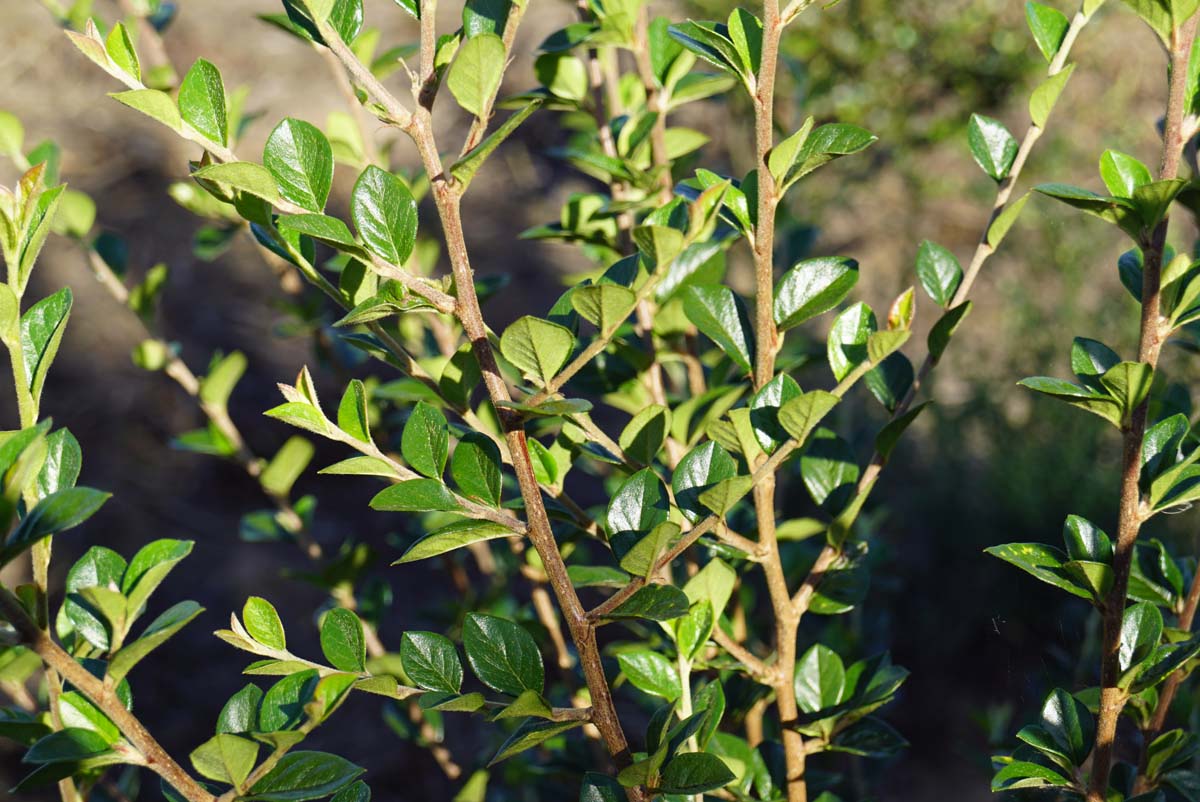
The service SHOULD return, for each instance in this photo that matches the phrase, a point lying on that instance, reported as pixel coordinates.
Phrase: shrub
(652, 383)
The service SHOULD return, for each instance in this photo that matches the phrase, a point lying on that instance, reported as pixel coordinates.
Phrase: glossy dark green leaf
(939, 272)
(532, 732)
(1085, 541)
(67, 745)
(847, 342)
(55, 513)
(694, 773)
(300, 776)
(721, 316)
(503, 655)
(653, 603)
(475, 467)
(42, 328)
(820, 679)
(765, 407)
(485, 16)
(426, 440)
(812, 287)
(430, 661)
(240, 713)
(638, 505)
(1141, 631)
(829, 470)
(385, 215)
(283, 704)
(342, 640)
(1070, 724)
(301, 161)
(1042, 561)
(992, 146)
(699, 470)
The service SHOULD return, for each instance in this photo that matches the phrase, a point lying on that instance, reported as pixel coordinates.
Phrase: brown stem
(1132, 513)
(157, 760)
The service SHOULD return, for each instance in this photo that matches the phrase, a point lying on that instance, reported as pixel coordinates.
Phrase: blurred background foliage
(989, 465)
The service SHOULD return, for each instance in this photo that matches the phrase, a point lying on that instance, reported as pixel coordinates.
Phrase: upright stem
(1132, 514)
(767, 336)
(582, 630)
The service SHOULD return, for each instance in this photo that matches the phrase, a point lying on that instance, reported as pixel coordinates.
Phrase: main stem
(583, 633)
(1131, 514)
(767, 335)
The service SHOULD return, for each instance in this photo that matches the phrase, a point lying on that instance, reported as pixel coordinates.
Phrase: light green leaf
(476, 72)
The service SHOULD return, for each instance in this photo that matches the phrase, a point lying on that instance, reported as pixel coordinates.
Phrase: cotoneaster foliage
(663, 625)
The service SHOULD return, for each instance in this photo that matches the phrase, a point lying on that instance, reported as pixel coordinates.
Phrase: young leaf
(1045, 97)
(1123, 174)
(263, 623)
(202, 102)
(476, 72)
(225, 758)
(415, 495)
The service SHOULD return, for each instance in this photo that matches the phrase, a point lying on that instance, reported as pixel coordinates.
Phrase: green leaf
(385, 215)
(531, 733)
(1141, 631)
(1069, 723)
(714, 584)
(939, 272)
(300, 160)
(1128, 383)
(453, 536)
(286, 466)
(42, 328)
(992, 146)
(225, 758)
(653, 603)
(847, 344)
(1076, 395)
(801, 415)
(1163, 16)
(323, 228)
(503, 655)
(699, 470)
(600, 788)
(1123, 174)
(1043, 562)
(283, 704)
(638, 505)
(300, 776)
(202, 102)
(430, 661)
(99, 567)
(263, 623)
(485, 16)
(240, 713)
(826, 143)
(464, 169)
(1005, 220)
(248, 177)
(55, 513)
(426, 440)
(604, 305)
(693, 629)
(12, 135)
(820, 679)
(812, 287)
(651, 673)
(536, 347)
(720, 315)
(475, 467)
(157, 633)
(1049, 27)
(217, 386)
(1085, 541)
(694, 773)
(415, 495)
(121, 51)
(643, 437)
(154, 103)
(76, 710)
(1044, 98)
(476, 72)
(829, 470)
(342, 640)
(67, 745)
